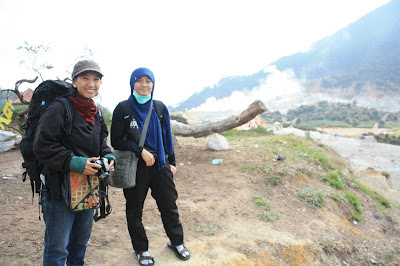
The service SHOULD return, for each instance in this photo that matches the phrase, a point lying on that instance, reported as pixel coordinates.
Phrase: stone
(6, 145)
(6, 135)
(217, 142)
(8, 140)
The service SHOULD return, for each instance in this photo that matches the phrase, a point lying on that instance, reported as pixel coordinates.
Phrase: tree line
(336, 114)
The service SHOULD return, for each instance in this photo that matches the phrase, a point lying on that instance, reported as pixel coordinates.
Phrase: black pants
(165, 195)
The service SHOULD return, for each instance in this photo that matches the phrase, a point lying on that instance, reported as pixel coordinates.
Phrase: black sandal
(177, 253)
(141, 258)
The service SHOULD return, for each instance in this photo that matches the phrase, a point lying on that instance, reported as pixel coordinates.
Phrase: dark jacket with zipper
(125, 132)
(55, 149)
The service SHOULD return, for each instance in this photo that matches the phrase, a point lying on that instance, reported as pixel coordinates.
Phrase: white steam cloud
(280, 91)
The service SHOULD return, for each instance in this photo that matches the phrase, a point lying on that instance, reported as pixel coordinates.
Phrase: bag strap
(103, 210)
(159, 110)
(68, 114)
(145, 126)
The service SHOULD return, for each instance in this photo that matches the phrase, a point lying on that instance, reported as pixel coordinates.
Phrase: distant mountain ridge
(360, 63)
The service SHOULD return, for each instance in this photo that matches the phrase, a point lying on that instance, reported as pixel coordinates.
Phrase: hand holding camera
(104, 170)
(97, 165)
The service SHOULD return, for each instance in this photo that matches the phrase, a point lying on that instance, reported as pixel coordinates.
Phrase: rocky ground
(244, 211)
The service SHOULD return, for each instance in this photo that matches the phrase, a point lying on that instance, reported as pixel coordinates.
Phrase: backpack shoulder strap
(126, 107)
(159, 110)
(100, 113)
(69, 114)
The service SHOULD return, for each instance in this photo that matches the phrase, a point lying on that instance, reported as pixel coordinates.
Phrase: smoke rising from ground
(279, 91)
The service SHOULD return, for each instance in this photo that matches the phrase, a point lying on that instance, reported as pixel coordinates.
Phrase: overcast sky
(188, 45)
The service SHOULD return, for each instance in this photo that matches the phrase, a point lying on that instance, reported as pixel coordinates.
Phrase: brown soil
(220, 218)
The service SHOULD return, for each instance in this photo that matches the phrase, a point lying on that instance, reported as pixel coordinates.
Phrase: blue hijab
(154, 136)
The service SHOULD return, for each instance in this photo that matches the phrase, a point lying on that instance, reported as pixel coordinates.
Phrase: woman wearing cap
(67, 232)
(156, 166)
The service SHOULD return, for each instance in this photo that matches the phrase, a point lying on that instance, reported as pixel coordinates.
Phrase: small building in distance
(26, 95)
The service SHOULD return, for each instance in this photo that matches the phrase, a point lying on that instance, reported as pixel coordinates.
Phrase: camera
(104, 171)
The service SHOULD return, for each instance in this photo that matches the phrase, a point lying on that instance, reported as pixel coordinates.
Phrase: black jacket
(55, 149)
(125, 133)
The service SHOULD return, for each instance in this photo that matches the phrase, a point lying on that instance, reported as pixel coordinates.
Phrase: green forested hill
(327, 114)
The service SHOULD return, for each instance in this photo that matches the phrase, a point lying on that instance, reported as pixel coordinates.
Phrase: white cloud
(188, 44)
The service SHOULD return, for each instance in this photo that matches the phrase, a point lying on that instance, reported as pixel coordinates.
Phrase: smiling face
(88, 84)
(143, 86)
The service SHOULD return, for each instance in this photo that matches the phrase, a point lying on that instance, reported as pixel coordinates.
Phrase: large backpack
(45, 94)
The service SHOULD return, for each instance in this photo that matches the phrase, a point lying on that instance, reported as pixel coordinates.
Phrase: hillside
(250, 210)
(358, 63)
(329, 114)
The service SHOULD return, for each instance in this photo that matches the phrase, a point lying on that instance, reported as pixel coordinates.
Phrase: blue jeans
(67, 233)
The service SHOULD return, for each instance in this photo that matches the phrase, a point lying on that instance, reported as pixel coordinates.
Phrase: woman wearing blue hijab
(156, 166)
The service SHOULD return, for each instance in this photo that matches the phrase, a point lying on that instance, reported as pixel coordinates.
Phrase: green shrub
(333, 178)
(336, 197)
(354, 201)
(273, 180)
(269, 216)
(380, 201)
(313, 197)
(262, 202)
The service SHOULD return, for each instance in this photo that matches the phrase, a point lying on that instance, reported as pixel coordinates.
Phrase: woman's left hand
(173, 169)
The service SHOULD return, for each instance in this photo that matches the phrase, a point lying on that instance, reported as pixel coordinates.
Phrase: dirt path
(221, 221)
(353, 131)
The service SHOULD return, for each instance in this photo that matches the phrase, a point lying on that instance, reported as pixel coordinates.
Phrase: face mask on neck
(141, 99)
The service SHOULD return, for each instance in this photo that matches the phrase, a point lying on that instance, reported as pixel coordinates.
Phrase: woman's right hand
(91, 168)
(148, 158)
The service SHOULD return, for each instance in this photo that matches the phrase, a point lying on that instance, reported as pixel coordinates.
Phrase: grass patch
(251, 168)
(276, 177)
(235, 134)
(262, 202)
(310, 155)
(304, 171)
(229, 175)
(334, 179)
(269, 216)
(293, 147)
(209, 229)
(312, 196)
(380, 201)
(397, 249)
(354, 201)
(282, 172)
(274, 180)
(271, 178)
(336, 197)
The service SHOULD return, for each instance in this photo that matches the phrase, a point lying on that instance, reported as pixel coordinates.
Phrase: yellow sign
(7, 113)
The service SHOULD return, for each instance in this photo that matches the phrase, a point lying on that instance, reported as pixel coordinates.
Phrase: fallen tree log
(254, 109)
